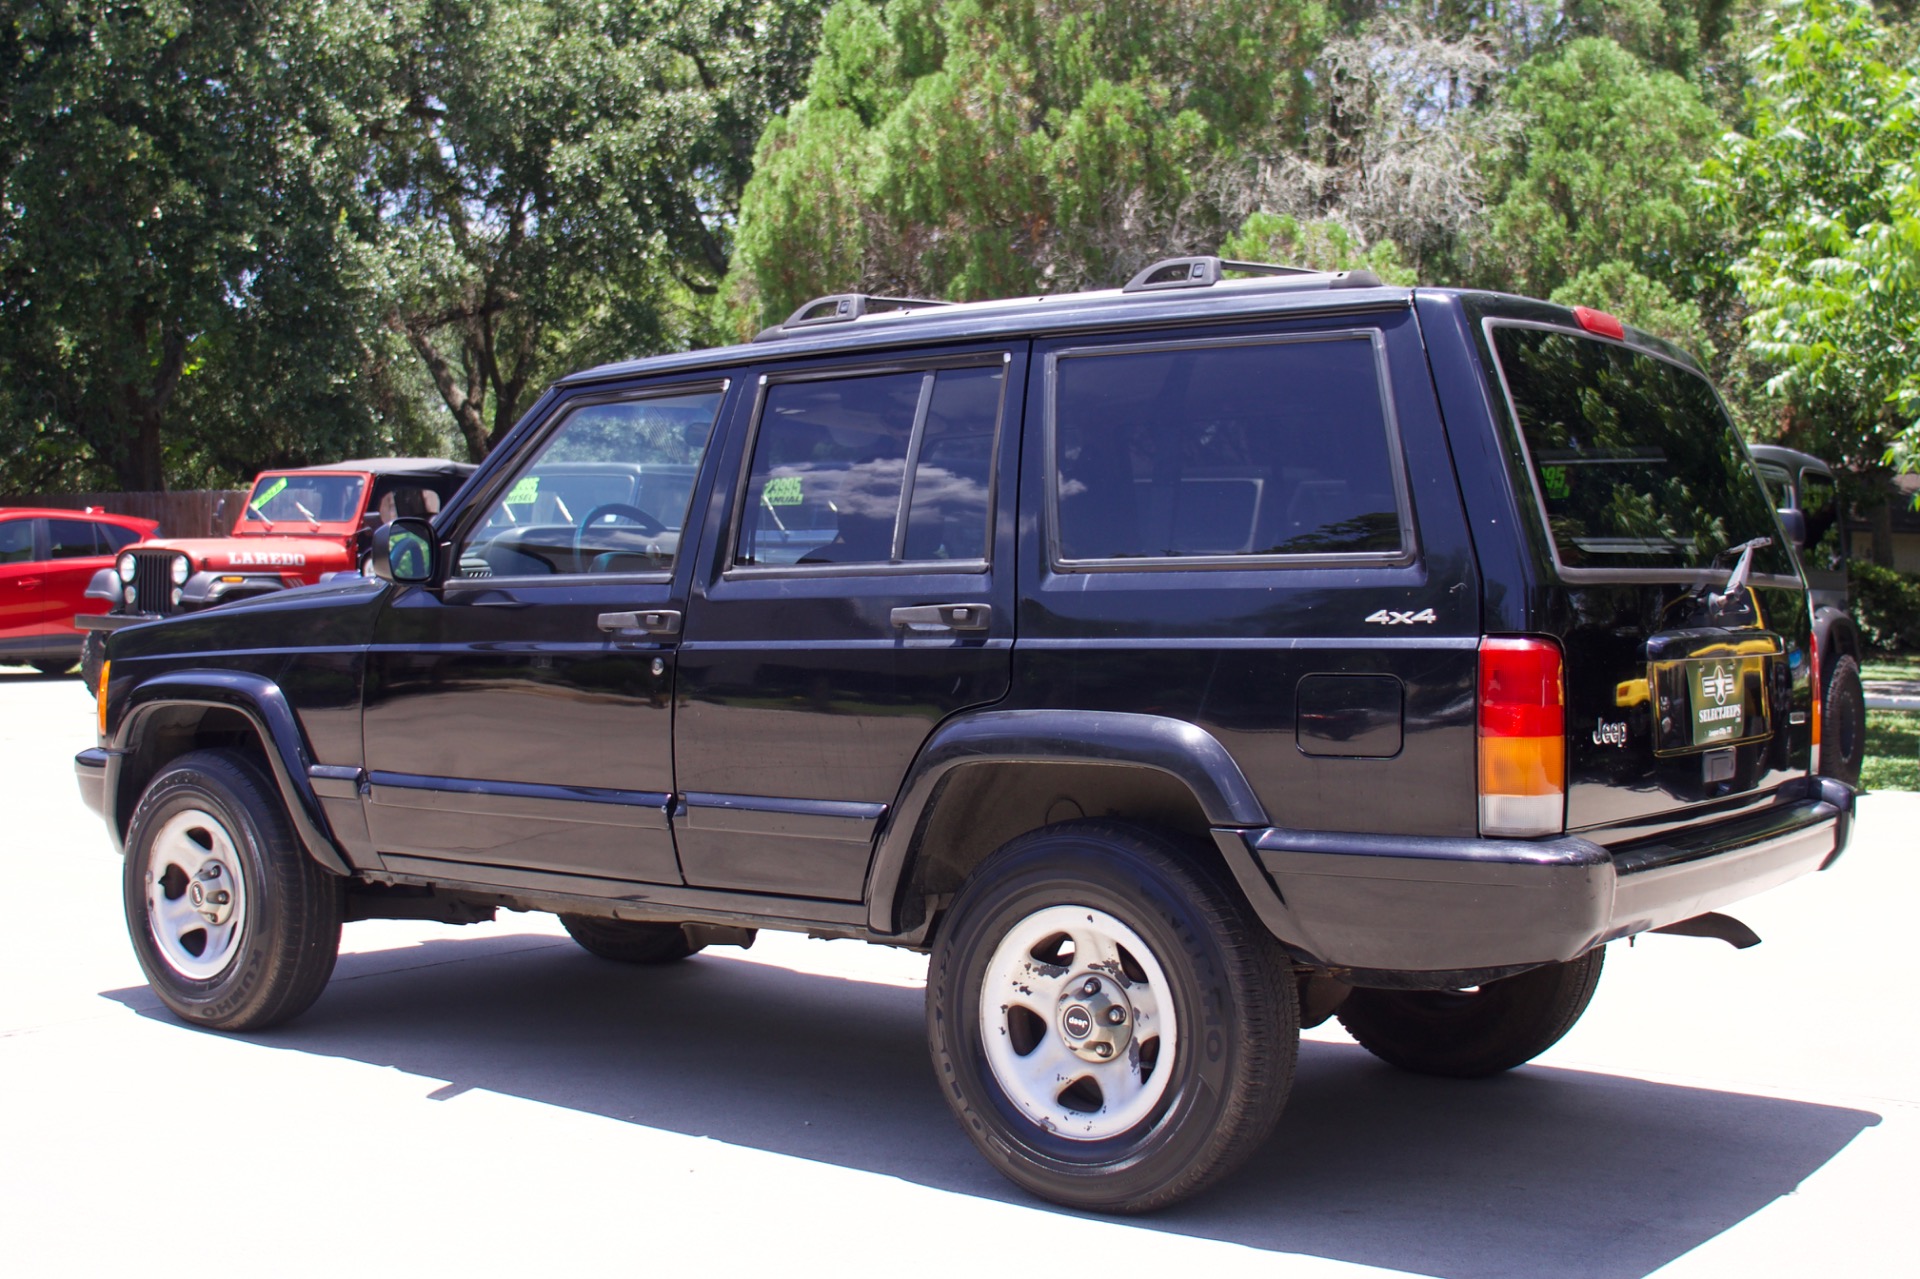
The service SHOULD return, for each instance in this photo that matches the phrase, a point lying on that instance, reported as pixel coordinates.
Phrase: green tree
(558, 181)
(177, 227)
(1823, 188)
(975, 148)
(1596, 189)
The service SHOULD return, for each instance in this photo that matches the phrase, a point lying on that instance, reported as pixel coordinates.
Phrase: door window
(886, 468)
(1219, 451)
(606, 492)
(72, 539)
(118, 536)
(16, 541)
(1820, 504)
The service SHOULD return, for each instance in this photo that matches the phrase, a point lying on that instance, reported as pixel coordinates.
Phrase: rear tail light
(1523, 737)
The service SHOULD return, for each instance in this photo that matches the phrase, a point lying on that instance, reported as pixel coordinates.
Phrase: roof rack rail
(1203, 272)
(838, 308)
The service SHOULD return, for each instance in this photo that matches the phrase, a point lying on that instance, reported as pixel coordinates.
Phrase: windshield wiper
(1742, 570)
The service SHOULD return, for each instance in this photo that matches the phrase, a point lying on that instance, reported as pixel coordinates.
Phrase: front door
(860, 593)
(518, 714)
(22, 586)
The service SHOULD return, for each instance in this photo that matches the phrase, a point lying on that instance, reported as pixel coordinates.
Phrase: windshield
(299, 497)
(1635, 462)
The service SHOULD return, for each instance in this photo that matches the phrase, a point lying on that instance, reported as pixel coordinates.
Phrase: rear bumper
(1383, 904)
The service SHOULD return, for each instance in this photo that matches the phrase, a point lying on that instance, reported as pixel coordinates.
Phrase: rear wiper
(1737, 580)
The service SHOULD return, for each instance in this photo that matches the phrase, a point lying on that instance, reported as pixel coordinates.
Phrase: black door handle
(945, 617)
(652, 621)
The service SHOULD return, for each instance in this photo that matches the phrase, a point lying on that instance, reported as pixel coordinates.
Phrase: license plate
(1707, 702)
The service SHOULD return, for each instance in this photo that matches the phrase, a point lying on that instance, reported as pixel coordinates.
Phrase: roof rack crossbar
(1203, 272)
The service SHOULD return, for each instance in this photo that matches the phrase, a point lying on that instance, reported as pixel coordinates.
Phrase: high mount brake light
(1523, 737)
(1600, 322)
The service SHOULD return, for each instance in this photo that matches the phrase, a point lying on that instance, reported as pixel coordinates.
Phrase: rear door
(1686, 656)
(856, 588)
(22, 582)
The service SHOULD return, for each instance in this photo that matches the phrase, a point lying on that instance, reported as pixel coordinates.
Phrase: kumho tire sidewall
(1146, 1166)
(244, 994)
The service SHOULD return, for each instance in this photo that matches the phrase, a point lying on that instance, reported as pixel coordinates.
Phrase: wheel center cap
(1094, 1017)
(211, 895)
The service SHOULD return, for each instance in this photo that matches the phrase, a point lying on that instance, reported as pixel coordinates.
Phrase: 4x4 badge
(1387, 617)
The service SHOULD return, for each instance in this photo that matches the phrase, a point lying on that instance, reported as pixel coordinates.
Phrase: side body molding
(1188, 753)
(264, 704)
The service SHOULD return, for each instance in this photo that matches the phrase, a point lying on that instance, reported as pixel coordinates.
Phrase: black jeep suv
(1178, 665)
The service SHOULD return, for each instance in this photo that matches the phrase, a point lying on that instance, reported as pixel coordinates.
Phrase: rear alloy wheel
(629, 941)
(1466, 1034)
(236, 927)
(1111, 1029)
(1843, 723)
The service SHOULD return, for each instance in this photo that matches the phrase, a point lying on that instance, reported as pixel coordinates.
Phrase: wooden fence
(188, 513)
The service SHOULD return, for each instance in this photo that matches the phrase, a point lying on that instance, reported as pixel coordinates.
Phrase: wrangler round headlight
(124, 566)
(181, 570)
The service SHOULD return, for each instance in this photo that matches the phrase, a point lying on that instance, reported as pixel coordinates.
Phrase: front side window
(887, 468)
(606, 492)
(1222, 451)
(16, 541)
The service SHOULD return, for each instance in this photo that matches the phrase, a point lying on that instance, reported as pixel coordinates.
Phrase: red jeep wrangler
(296, 527)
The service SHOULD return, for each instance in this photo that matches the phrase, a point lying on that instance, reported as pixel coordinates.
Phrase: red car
(47, 558)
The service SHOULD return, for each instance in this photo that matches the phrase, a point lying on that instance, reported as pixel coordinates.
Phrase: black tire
(1235, 1024)
(53, 666)
(1843, 723)
(1470, 1034)
(629, 941)
(93, 651)
(272, 956)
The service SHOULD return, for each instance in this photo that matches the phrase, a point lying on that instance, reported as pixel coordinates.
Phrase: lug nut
(1105, 1050)
(1116, 1015)
(1092, 987)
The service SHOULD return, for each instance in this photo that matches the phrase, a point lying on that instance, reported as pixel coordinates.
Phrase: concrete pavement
(494, 1100)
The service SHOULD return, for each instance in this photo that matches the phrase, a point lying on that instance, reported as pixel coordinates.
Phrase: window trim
(474, 510)
(1643, 575)
(1408, 552)
(1001, 359)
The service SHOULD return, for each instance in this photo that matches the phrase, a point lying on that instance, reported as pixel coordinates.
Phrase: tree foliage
(1823, 184)
(996, 147)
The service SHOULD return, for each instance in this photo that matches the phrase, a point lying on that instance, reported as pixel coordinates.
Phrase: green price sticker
(525, 491)
(1554, 480)
(784, 490)
(268, 493)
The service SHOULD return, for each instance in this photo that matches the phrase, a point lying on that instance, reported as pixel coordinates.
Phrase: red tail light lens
(1523, 737)
(1813, 677)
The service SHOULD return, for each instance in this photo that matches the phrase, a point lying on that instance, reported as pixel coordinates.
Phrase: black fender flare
(263, 704)
(1184, 751)
(1838, 636)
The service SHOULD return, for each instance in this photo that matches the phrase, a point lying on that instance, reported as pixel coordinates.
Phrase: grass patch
(1893, 751)
(1898, 666)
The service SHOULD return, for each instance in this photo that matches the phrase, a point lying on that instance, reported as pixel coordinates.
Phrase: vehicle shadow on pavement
(1539, 1173)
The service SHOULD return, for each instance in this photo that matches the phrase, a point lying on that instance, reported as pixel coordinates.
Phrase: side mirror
(1794, 524)
(402, 552)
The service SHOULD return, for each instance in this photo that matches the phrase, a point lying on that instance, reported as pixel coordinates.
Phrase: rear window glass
(1278, 448)
(1636, 464)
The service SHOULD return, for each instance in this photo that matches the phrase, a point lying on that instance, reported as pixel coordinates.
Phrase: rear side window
(885, 468)
(73, 539)
(118, 535)
(1635, 463)
(1223, 451)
